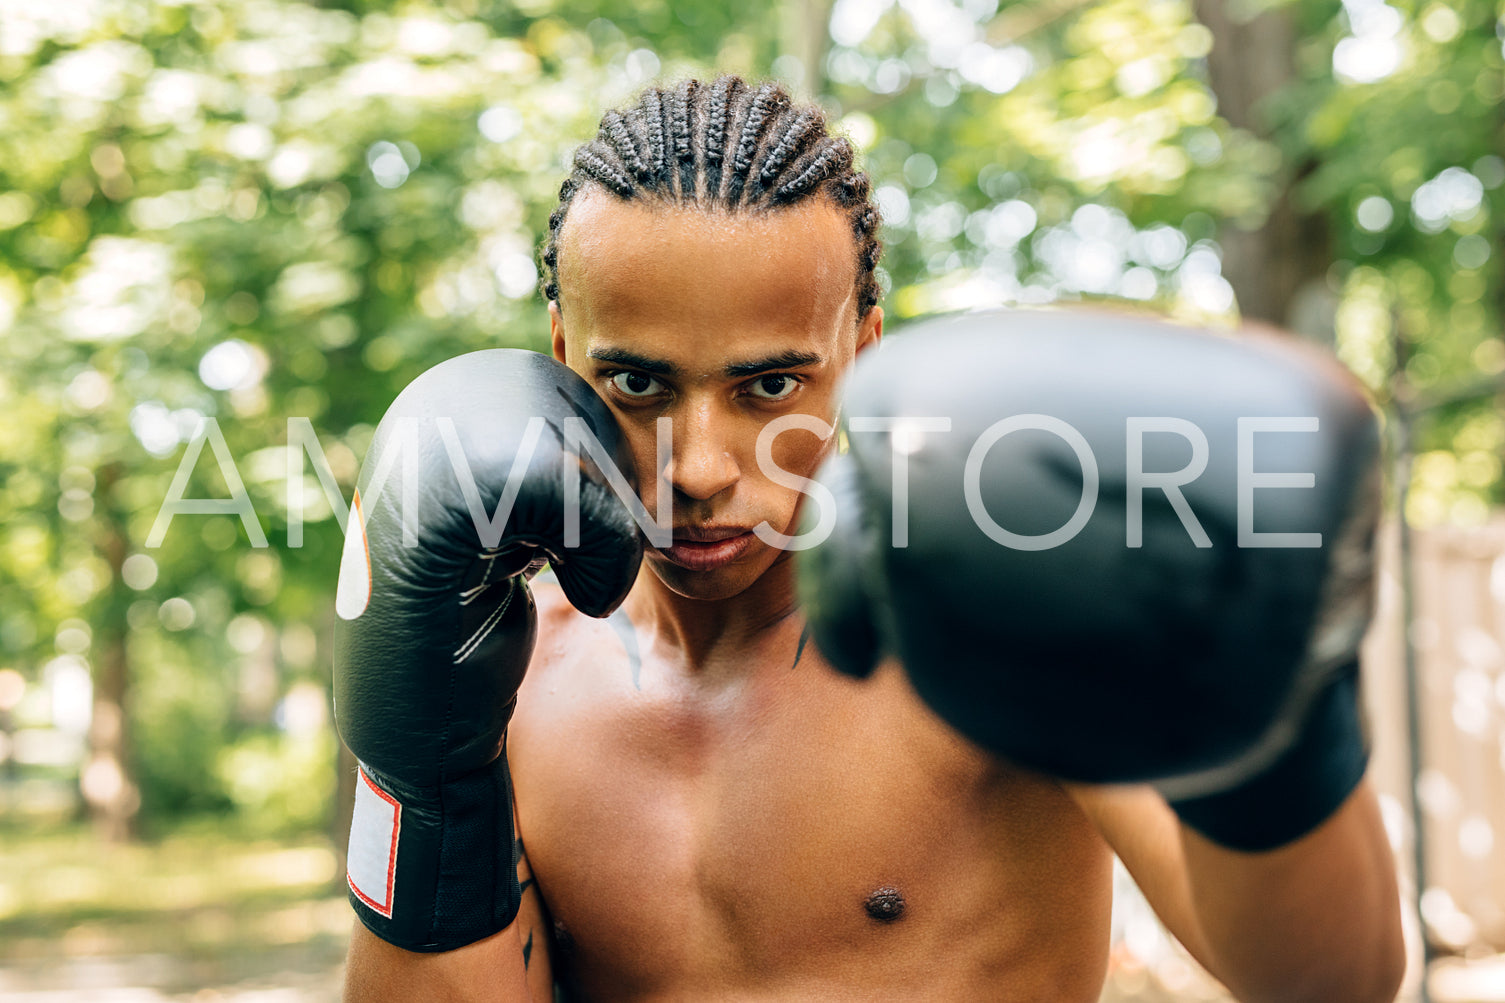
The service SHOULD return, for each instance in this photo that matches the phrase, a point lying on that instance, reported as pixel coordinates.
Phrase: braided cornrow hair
(725, 145)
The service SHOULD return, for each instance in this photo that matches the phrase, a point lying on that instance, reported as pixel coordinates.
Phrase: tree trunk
(108, 783)
(806, 35)
(1279, 270)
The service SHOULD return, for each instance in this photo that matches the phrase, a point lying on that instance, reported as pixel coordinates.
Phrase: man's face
(722, 323)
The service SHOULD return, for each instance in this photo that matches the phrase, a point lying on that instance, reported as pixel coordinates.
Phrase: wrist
(431, 868)
(1301, 789)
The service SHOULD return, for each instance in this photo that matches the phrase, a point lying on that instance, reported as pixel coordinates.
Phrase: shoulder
(557, 619)
(577, 668)
(554, 610)
(568, 641)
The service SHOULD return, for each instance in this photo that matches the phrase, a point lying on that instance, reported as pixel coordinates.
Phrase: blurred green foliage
(256, 211)
(205, 905)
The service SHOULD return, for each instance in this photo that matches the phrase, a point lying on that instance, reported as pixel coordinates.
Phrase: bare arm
(1318, 919)
(491, 970)
(533, 929)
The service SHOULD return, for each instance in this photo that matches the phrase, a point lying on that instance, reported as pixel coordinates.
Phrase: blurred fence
(1458, 626)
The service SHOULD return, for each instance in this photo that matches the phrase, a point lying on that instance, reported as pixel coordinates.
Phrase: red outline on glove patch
(385, 910)
(343, 600)
(366, 553)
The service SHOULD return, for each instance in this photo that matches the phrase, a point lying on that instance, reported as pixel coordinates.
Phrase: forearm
(435, 630)
(490, 970)
(1318, 919)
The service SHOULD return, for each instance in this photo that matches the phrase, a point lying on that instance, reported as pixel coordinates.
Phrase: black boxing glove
(1135, 553)
(467, 490)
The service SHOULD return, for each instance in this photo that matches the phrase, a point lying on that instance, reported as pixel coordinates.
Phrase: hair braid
(625, 144)
(797, 129)
(865, 220)
(653, 121)
(767, 100)
(723, 145)
(595, 159)
(716, 113)
(833, 156)
(681, 126)
(852, 189)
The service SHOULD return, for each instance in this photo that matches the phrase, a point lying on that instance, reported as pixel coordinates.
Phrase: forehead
(688, 278)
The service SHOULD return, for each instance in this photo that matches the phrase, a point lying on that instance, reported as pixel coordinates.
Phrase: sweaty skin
(708, 809)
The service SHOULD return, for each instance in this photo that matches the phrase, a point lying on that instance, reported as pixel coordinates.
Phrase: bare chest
(773, 824)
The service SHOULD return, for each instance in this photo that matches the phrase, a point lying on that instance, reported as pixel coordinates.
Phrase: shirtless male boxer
(704, 809)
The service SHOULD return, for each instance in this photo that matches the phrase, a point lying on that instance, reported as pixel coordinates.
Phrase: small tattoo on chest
(804, 636)
(885, 904)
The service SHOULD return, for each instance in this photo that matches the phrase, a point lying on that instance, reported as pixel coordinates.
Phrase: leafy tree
(250, 212)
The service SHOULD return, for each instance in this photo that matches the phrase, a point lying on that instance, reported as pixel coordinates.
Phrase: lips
(703, 548)
(707, 534)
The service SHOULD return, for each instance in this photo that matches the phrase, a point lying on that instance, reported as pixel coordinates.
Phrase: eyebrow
(736, 370)
(784, 360)
(623, 357)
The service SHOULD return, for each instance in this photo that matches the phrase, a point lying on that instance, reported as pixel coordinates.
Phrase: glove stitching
(487, 626)
(467, 595)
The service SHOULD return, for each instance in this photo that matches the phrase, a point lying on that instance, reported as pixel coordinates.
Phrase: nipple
(885, 904)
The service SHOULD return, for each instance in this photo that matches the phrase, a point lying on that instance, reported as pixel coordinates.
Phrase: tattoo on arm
(520, 855)
(525, 882)
(628, 635)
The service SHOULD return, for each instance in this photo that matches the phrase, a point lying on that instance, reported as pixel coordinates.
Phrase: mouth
(703, 548)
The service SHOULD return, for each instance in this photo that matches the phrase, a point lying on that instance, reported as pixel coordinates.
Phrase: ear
(870, 331)
(556, 331)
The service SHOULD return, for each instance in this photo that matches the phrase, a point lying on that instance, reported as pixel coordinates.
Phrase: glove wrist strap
(433, 869)
(1300, 790)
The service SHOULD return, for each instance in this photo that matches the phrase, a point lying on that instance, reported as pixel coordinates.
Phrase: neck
(704, 631)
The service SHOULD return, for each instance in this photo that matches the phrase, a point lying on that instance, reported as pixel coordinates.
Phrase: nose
(702, 464)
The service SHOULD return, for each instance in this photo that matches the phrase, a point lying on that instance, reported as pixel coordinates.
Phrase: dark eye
(635, 384)
(774, 388)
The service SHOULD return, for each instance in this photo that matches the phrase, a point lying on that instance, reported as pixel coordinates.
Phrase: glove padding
(1018, 607)
(436, 626)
